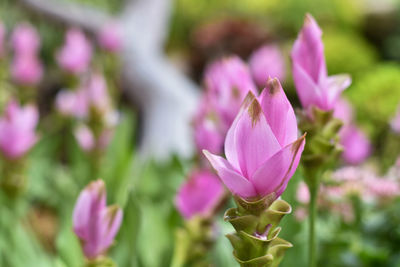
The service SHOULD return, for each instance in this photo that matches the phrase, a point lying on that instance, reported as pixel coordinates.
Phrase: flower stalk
(256, 241)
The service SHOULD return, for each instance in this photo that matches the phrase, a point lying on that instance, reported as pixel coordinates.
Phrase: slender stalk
(312, 244)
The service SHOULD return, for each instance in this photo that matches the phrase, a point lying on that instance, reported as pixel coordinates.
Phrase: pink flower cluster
(26, 68)
(359, 181)
(91, 99)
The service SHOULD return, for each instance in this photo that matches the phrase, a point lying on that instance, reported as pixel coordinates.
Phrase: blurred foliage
(375, 95)
(340, 46)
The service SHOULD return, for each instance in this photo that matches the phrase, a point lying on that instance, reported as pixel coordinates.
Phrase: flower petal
(274, 174)
(334, 86)
(235, 182)
(254, 140)
(230, 147)
(307, 90)
(279, 112)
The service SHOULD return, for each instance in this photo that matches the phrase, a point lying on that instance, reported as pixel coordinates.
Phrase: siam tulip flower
(207, 132)
(17, 130)
(199, 195)
(85, 138)
(357, 147)
(75, 55)
(382, 188)
(97, 94)
(261, 146)
(72, 103)
(25, 40)
(343, 111)
(110, 37)
(265, 62)
(313, 85)
(228, 81)
(26, 69)
(94, 223)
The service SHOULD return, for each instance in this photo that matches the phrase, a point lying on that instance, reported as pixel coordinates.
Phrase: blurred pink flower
(207, 132)
(26, 70)
(313, 85)
(344, 111)
(300, 213)
(261, 146)
(382, 187)
(76, 53)
(357, 147)
(199, 195)
(97, 93)
(227, 82)
(17, 130)
(303, 194)
(110, 37)
(94, 223)
(267, 61)
(72, 103)
(85, 138)
(25, 40)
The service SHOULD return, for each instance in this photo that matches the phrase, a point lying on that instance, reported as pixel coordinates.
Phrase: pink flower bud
(313, 85)
(25, 40)
(395, 123)
(261, 146)
(17, 130)
(76, 53)
(85, 138)
(72, 103)
(26, 69)
(228, 81)
(94, 223)
(199, 195)
(110, 37)
(265, 62)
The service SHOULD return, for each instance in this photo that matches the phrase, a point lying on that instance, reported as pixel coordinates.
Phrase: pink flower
(17, 130)
(97, 93)
(2, 39)
(261, 146)
(72, 103)
(109, 37)
(76, 53)
(207, 132)
(25, 40)
(94, 223)
(265, 62)
(357, 147)
(228, 81)
(26, 70)
(381, 187)
(199, 195)
(303, 194)
(85, 138)
(313, 85)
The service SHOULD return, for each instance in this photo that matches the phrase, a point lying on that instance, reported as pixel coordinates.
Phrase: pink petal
(235, 182)
(110, 222)
(307, 90)
(254, 140)
(279, 112)
(230, 143)
(333, 87)
(274, 174)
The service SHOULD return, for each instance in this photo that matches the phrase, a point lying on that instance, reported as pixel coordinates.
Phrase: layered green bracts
(256, 241)
(101, 262)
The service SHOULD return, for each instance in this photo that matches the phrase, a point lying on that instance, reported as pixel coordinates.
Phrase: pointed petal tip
(273, 85)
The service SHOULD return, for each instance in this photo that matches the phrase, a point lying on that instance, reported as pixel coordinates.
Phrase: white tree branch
(70, 13)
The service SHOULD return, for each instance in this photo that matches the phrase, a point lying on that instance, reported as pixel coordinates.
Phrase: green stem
(312, 245)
